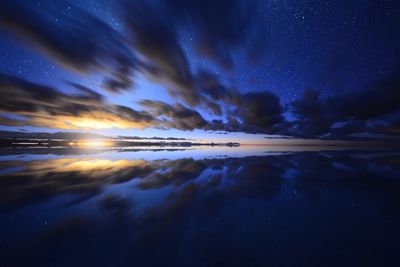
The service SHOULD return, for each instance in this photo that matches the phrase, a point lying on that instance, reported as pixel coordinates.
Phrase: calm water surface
(248, 206)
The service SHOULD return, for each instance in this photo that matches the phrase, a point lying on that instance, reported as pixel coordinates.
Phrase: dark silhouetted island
(10, 139)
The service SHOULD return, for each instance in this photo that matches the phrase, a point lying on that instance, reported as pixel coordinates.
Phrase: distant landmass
(68, 139)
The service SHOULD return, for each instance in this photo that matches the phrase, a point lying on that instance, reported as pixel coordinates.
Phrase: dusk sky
(210, 70)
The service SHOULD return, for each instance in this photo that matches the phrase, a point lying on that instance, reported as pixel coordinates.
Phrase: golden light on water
(89, 166)
(92, 143)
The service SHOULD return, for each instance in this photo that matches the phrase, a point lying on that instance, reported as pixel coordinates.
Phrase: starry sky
(212, 70)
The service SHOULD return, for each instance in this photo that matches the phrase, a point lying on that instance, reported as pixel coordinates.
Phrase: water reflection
(323, 208)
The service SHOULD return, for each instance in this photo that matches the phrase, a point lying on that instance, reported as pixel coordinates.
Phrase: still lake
(206, 206)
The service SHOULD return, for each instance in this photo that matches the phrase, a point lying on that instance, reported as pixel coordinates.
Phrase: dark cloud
(56, 135)
(4, 120)
(214, 95)
(219, 27)
(79, 41)
(154, 37)
(121, 78)
(311, 115)
(259, 111)
(368, 111)
(92, 94)
(177, 116)
(256, 112)
(180, 117)
(39, 105)
(377, 99)
(217, 125)
(210, 86)
(44, 106)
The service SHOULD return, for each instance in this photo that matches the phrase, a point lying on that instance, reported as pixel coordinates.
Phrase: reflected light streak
(92, 143)
(87, 166)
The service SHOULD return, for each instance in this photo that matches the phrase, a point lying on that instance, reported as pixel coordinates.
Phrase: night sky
(210, 70)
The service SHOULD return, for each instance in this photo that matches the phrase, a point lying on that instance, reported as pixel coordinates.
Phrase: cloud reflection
(217, 211)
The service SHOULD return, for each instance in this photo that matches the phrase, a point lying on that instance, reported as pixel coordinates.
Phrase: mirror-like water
(248, 206)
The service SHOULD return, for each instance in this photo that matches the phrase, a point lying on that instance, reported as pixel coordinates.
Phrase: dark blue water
(227, 207)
